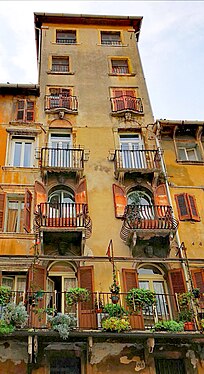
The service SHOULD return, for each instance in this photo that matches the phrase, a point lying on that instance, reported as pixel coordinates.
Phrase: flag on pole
(109, 252)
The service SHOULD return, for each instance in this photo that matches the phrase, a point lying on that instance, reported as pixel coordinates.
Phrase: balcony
(56, 103)
(62, 160)
(125, 103)
(131, 161)
(90, 314)
(155, 219)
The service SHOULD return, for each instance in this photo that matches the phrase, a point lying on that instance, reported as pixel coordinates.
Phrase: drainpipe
(181, 247)
(39, 52)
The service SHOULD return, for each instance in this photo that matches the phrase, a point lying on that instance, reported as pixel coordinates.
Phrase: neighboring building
(85, 201)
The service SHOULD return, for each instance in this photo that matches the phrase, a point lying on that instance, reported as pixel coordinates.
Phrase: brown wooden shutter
(86, 309)
(40, 196)
(27, 210)
(30, 111)
(177, 281)
(130, 279)
(2, 210)
(120, 200)
(182, 206)
(193, 207)
(198, 279)
(36, 281)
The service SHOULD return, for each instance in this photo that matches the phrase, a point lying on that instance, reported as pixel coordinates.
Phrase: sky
(171, 47)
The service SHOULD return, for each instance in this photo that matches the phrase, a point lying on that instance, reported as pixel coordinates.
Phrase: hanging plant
(77, 294)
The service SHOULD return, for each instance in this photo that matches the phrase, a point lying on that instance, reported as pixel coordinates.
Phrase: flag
(109, 252)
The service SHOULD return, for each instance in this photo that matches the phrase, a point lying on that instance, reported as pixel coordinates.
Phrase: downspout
(181, 249)
(39, 52)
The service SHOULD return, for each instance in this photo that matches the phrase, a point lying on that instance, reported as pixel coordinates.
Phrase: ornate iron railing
(61, 102)
(137, 160)
(62, 158)
(125, 102)
(66, 215)
(152, 217)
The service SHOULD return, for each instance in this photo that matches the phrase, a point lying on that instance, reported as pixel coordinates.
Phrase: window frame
(111, 43)
(25, 110)
(66, 31)
(19, 199)
(14, 139)
(186, 149)
(118, 59)
(60, 58)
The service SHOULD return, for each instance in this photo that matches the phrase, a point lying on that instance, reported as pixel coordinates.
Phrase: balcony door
(132, 153)
(61, 205)
(59, 150)
(140, 205)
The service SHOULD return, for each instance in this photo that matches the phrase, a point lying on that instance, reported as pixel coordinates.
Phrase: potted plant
(62, 323)
(77, 294)
(170, 325)
(114, 289)
(115, 324)
(15, 315)
(186, 312)
(114, 310)
(138, 298)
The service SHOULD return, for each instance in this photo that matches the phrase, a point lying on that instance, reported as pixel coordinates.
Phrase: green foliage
(15, 315)
(170, 325)
(184, 300)
(5, 295)
(62, 323)
(114, 310)
(114, 288)
(185, 316)
(116, 324)
(202, 323)
(5, 329)
(77, 294)
(138, 298)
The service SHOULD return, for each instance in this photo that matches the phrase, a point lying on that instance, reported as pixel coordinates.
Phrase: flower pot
(114, 298)
(189, 326)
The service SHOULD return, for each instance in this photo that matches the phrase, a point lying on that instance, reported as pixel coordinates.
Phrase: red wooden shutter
(182, 206)
(177, 281)
(193, 207)
(27, 210)
(30, 111)
(161, 200)
(36, 281)
(86, 309)
(120, 200)
(2, 210)
(81, 193)
(40, 196)
(130, 280)
(118, 102)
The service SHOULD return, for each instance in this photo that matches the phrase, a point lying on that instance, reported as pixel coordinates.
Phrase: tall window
(110, 37)
(60, 64)
(120, 66)
(131, 145)
(22, 152)
(66, 37)
(59, 153)
(15, 215)
(25, 110)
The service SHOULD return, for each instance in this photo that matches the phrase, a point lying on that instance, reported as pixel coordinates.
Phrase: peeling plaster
(191, 354)
(139, 364)
(13, 350)
(102, 350)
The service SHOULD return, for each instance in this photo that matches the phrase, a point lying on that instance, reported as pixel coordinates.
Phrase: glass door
(60, 150)
(132, 153)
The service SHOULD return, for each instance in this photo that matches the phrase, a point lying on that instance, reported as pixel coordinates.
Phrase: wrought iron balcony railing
(89, 314)
(137, 160)
(54, 102)
(62, 159)
(63, 215)
(126, 103)
(149, 217)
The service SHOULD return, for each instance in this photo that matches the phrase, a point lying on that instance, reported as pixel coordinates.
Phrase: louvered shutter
(182, 206)
(40, 197)
(161, 200)
(36, 281)
(2, 210)
(193, 207)
(198, 279)
(27, 210)
(120, 200)
(130, 280)
(177, 281)
(119, 100)
(86, 309)
(81, 198)
(30, 111)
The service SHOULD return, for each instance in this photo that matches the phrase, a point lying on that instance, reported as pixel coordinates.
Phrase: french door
(132, 154)
(59, 151)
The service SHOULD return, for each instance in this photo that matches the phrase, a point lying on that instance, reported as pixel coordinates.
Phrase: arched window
(140, 204)
(139, 198)
(61, 196)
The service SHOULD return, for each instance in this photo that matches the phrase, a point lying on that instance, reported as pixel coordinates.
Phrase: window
(60, 98)
(131, 145)
(120, 66)
(187, 207)
(165, 366)
(125, 99)
(66, 37)
(60, 154)
(15, 215)
(60, 64)
(16, 283)
(188, 153)
(25, 111)
(110, 38)
(22, 151)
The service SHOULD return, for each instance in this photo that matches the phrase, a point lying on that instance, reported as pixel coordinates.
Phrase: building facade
(89, 200)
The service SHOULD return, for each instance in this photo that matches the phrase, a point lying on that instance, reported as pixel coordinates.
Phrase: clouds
(171, 47)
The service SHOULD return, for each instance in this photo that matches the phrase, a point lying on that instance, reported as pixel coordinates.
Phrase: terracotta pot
(189, 326)
(114, 298)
